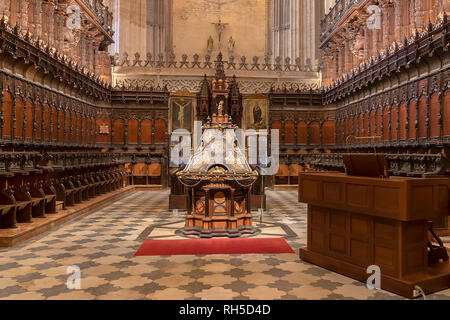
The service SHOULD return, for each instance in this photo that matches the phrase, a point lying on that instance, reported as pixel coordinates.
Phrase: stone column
(388, 17)
(420, 14)
(398, 19)
(23, 14)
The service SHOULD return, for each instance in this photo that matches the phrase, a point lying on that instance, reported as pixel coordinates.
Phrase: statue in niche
(210, 45)
(220, 108)
(231, 44)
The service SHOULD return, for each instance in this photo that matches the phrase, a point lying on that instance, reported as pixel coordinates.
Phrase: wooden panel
(386, 124)
(160, 131)
(140, 169)
(47, 122)
(154, 169)
(301, 133)
(132, 131)
(29, 124)
(289, 132)
(379, 123)
(310, 190)
(435, 130)
(394, 118)
(146, 131)
(119, 129)
(18, 133)
(412, 119)
(103, 138)
(7, 109)
(372, 124)
(447, 113)
(38, 113)
(366, 125)
(333, 191)
(402, 121)
(358, 195)
(61, 116)
(386, 199)
(423, 118)
(314, 133)
(68, 122)
(328, 133)
(361, 132)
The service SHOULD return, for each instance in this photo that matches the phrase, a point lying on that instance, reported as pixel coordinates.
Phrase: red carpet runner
(213, 246)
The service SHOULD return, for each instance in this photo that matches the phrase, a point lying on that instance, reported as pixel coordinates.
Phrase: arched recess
(47, 122)
(361, 132)
(146, 131)
(73, 137)
(61, 125)
(7, 114)
(314, 133)
(39, 122)
(160, 131)
(68, 124)
(19, 108)
(402, 121)
(328, 133)
(379, 123)
(447, 113)
(289, 132)
(372, 123)
(301, 132)
(412, 119)
(29, 125)
(104, 137)
(386, 135)
(394, 118)
(435, 128)
(366, 125)
(132, 131)
(423, 117)
(119, 129)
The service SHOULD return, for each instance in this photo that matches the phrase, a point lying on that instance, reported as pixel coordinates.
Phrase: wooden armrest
(22, 204)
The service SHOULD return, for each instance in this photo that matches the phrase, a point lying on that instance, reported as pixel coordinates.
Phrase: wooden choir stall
(361, 218)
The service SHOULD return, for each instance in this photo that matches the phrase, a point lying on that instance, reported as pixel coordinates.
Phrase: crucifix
(220, 28)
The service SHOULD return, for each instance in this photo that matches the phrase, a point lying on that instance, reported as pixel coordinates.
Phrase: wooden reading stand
(364, 218)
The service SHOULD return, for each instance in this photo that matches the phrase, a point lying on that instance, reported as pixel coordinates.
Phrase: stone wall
(193, 24)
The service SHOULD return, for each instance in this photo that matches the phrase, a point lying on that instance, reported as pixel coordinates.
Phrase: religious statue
(220, 108)
(231, 44)
(210, 45)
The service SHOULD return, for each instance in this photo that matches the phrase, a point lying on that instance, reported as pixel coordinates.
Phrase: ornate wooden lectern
(219, 179)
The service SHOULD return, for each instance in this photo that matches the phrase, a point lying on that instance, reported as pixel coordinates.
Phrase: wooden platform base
(13, 237)
(148, 187)
(437, 278)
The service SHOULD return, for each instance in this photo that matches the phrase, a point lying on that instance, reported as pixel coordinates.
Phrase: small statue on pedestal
(210, 45)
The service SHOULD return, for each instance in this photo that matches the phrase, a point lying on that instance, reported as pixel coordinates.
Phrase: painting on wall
(182, 110)
(256, 112)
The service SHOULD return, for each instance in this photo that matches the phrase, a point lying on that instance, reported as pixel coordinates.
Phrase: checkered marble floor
(103, 244)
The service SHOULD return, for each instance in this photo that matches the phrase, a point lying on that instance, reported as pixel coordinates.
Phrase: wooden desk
(355, 222)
